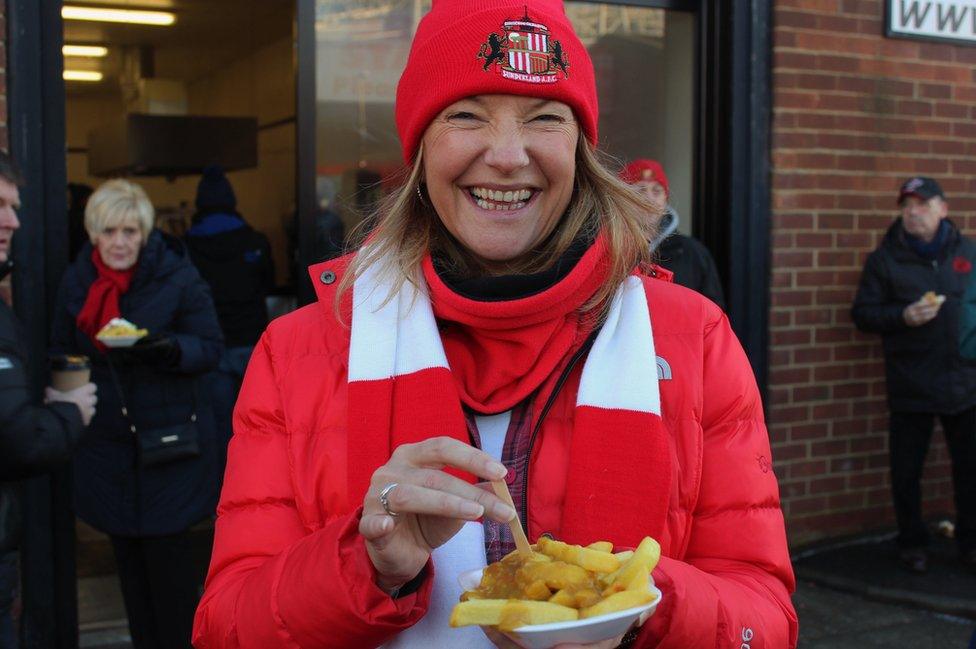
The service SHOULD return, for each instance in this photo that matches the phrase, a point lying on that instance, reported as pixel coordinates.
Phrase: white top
(465, 551)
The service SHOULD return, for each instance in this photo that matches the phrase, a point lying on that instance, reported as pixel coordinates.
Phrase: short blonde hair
(116, 202)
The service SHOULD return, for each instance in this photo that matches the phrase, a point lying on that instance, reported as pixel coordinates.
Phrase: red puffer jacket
(290, 570)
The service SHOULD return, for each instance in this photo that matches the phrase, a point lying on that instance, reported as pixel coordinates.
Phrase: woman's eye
(548, 117)
(462, 115)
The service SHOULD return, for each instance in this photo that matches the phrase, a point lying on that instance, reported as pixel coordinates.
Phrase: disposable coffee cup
(69, 372)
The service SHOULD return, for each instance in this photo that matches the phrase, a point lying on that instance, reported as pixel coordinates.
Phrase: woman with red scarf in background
(496, 324)
(132, 271)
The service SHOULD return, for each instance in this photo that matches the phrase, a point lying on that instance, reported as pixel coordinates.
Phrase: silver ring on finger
(385, 499)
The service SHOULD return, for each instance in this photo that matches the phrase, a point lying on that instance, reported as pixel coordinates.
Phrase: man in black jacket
(235, 260)
(910, 293)
(684, 256)
(33, 439)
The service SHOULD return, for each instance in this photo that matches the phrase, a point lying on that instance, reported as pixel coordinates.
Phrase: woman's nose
(507, 151)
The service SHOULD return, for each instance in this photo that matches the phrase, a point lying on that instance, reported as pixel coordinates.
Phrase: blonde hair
(116, 202)
(407, 227)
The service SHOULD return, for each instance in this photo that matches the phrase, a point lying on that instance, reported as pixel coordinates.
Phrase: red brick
(824, 6)
(814, 278)
(790, 337)
(878, 496)
(808, 505)
(833, 335)
(866, 480)
(791, 297)
(807, 468)
(784, 452)
(850, 391)
(788, 375)
(832, 373)
(935, 90)
(862, 240)
(792, 490)
(828, 448)
(953, 111)
(789, 415)
(835, 221)
(793, 221)
(812, 316)
(781, 279)
(814, 240)
(847, 464)
(792, 259)
(852, 352)
(811, 393)
(806, 432)
(846, 501)
(858, 426)
(826, 485)
(831, 411)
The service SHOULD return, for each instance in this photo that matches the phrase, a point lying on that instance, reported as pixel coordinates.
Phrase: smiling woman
(501, 321)
(499, 171)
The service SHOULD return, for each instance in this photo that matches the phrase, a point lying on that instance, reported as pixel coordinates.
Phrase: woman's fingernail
(472, 510)
(498, 470)
(504, 512)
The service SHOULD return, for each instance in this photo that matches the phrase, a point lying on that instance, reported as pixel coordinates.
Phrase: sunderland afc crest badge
(525, 51)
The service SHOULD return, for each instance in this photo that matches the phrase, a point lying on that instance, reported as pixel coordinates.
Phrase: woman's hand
(502, 641)
(84, 397)
(430, 505)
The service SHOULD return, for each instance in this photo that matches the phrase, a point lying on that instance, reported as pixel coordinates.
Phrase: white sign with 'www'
(953, 20)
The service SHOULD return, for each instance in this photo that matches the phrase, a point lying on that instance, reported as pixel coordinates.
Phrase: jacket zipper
(524, 509)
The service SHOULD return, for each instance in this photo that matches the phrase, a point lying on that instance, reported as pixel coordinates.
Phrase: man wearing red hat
(684, 256)
(911, 293)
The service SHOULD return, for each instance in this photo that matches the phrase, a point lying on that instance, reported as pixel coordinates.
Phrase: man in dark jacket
(33, 439)
(910, 293)
(235, 260)
(684, 256)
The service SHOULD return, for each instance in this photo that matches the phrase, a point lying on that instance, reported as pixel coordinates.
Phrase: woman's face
(119, 245)
(500, 171)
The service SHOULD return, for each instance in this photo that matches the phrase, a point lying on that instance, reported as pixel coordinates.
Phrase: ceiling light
(82, 75)
(118, 15)
(96, 51)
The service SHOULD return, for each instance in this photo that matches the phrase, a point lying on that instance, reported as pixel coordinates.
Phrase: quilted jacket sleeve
(873, 310)
(273, 581)
(732, 588)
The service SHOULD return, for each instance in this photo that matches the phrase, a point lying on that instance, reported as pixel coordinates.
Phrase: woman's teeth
(491, 199)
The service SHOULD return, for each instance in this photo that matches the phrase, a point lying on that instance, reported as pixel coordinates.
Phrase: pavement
(851, 594)
(854, 593)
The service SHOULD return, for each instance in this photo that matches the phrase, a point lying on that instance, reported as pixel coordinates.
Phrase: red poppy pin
(526, 52)
(962, 265)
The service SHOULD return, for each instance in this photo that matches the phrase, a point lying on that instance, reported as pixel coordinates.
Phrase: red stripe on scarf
(425, 404)
(102, 301)
(620, 477)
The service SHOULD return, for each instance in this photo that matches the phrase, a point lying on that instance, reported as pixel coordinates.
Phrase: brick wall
(854, 114)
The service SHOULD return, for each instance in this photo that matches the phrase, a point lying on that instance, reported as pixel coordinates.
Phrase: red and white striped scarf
(401, 390)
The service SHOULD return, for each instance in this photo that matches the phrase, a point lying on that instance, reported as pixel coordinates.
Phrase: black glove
(155, 349)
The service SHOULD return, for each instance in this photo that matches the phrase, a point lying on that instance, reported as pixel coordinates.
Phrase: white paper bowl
(591, 629)
(119, 341)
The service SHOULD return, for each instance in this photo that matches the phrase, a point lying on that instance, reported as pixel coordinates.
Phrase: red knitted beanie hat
(646, 170)
(505, 47)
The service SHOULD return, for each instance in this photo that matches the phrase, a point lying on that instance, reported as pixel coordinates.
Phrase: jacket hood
(667, 227)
